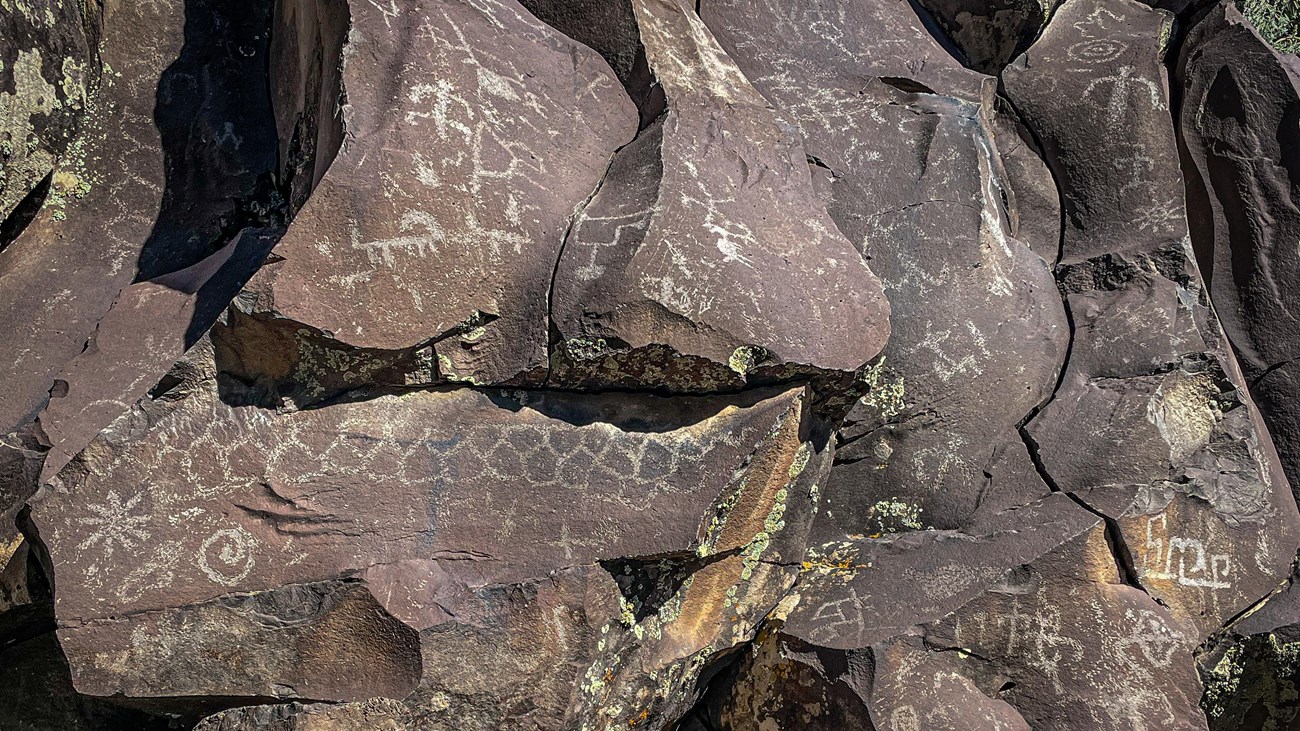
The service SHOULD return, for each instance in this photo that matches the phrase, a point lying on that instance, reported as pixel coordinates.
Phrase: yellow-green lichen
(625, 613)
(746, 358)
(774, 521)
(447, 370)
(586, 349)
(1256, 679)
(801, 458)
(893, 515)
(838, 558)
(886, 392)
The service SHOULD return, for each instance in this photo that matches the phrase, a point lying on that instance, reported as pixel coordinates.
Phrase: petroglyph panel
(1095, 88)
(113, 193)
(218, 499)
(1066, 633)
(917, 185)
(697, 220)
(326, 640)
(1204, 566)
(454, 187)
(939, 571)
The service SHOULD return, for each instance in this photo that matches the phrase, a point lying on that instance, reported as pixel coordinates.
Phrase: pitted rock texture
(580, 365)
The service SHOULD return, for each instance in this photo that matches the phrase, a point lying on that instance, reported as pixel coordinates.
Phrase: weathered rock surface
(48, 67)
(1239, 136)
(695, 222)
(174, 140)
(380, 714)
(467, 147)
(1160, 436)
(1119, 181)
(916, 181)
(646, 364)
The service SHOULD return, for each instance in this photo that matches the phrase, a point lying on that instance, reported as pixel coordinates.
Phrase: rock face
(676, 254)
(1239, 141)
(645, 364)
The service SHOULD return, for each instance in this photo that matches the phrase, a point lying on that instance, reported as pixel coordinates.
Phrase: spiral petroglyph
(227, 556)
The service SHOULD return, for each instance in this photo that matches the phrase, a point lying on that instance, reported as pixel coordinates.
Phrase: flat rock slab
(217, 499)
(325, 640)
(469, 145)
(706, 239)
(423, 496)
(379, 714)
(1094, 88)
(1083, 650)
(118, 367)
(1239, 139)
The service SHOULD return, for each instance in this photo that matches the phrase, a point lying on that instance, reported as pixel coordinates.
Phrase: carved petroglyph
(1033, 633)
(934, 465)
(226, 556)
(1100, 50)
(905, 718)
(254, 493)
(1137, 169)
(417, 244)
(1160, 216)
(1100, 23)
(1101, 46)
(626, 226)
(1149, 635)
(947, 366)
(1125, 87)
(114, 524)
(156, 572)
(839, 617)
(1187, 561)
(576, 460)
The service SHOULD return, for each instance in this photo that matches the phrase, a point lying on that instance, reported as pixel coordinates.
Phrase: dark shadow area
(647, 583)
(609, 28)
(230, 189)
(629, 412)
(213, 113)
(24, 213)
(35, 680)
(986, 34)
(937, 31)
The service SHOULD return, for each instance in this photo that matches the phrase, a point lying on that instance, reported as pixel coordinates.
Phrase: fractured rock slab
(1239, 138)
(668, 274)
(917, 184)
(478, 488)
(444, 212)
(1118, 172)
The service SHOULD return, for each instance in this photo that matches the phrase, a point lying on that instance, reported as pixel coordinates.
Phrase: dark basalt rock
(694, 216)
(1239, 136)
(440, 220)
(379, 714)
(49, 67)
(1118, 174)
(916, 181)
(532, 365)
